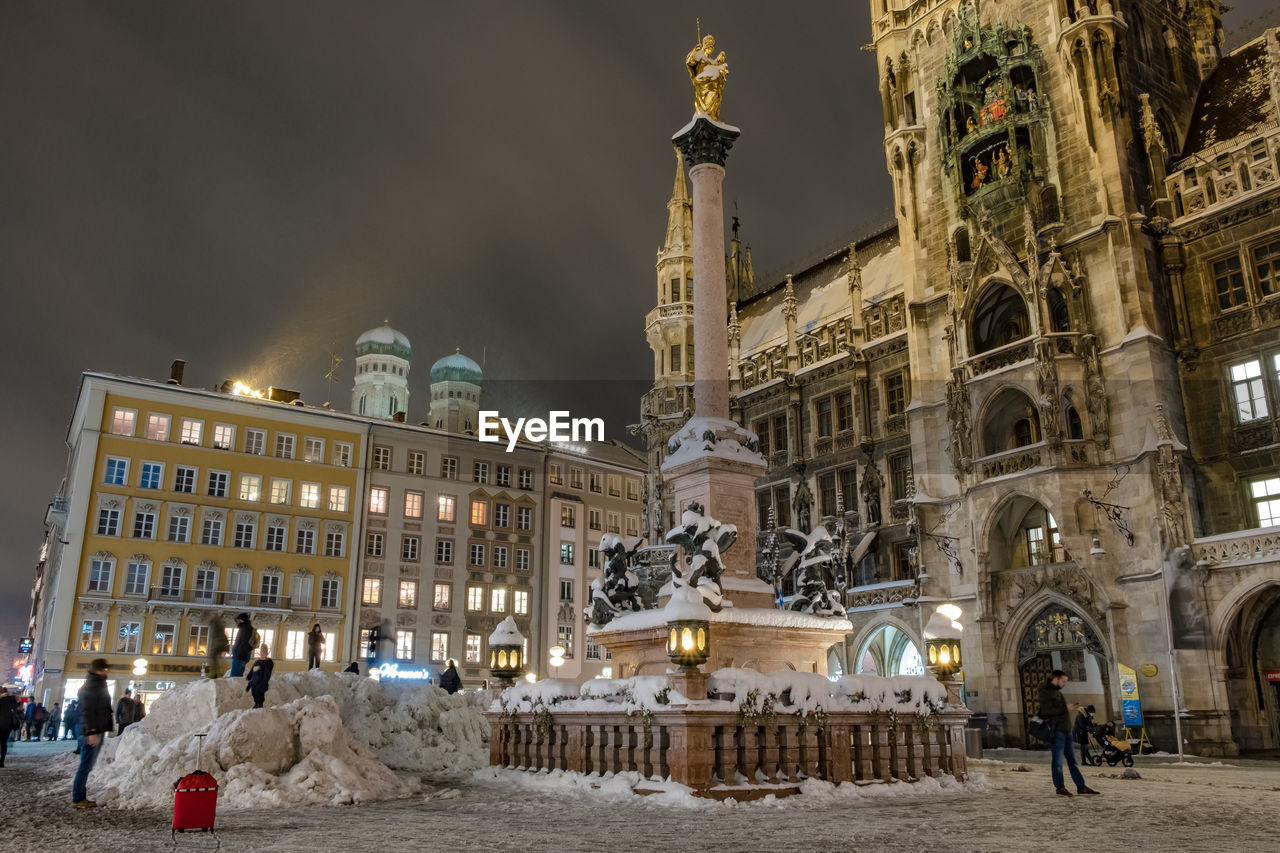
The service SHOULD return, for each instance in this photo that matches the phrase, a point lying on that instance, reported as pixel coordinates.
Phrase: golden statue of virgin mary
(707, 71)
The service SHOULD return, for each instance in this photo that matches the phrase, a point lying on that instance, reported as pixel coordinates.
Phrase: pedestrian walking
(218, 646)
(38, 715)
(315, 646)
(54, 722)
(125, 710)
(10, 719)
(1080, 731)
(242, 648)
(1055, 710)
(28, 720)
(95, 722)
(449, 679)
(259, 676)
(70, 719)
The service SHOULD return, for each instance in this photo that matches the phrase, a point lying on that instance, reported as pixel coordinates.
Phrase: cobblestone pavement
(1219, 806)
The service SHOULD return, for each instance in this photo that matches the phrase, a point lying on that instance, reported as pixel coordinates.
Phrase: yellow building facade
(184, 506)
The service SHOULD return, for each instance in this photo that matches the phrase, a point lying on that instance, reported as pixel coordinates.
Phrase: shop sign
(1131, 707)
(393, 671)
(1273, 676)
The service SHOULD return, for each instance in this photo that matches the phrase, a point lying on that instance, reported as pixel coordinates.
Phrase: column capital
(705, 141)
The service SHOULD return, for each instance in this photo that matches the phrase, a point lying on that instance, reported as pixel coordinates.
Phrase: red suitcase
(195, 800)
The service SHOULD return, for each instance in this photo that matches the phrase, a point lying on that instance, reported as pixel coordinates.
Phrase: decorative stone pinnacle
(705, 141)
(789, 301)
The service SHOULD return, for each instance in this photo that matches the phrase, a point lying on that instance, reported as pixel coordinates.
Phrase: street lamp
(942, 641)
(688, 640)
(506, 652)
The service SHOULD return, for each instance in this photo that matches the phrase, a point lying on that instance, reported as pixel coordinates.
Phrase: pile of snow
(324, 738)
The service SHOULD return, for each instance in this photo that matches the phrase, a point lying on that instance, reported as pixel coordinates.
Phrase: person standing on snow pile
(315, 646)
(242, 648)
(1055, 709)
(259, 676)
(125, 712)
(449, 679)
(95, 722)
(9, 720)
(218, 646)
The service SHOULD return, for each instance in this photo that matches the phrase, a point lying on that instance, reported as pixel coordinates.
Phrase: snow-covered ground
(1226, 805)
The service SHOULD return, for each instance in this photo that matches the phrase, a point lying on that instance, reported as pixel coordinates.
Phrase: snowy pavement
(1202, 805)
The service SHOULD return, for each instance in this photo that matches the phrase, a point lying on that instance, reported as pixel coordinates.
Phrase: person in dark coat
(126, 712)
(375, 640)
(242, 648)
(218, 646)
(1057, 711)
(95, 723)
(449, 679)
(1080, 731)
(315, 646)
(259, 676)
(70, 720)
(355, 667)
(54, 722)
(9, 720)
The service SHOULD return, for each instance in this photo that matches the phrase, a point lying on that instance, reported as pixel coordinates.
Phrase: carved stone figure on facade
(1047, 386)
(870, 488)
(615, 591)
(803, 503)
(707, 72)
(703, 539)
(980, 170)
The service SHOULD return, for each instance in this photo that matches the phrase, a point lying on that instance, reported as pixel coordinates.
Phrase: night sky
(249, 186)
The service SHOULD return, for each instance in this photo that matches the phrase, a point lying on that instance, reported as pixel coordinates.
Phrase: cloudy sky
(249, 186)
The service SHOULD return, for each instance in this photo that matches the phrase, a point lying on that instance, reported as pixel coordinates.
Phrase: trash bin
(973, 743)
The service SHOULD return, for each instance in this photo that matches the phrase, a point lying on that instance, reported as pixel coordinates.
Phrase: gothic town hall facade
(1049, 391)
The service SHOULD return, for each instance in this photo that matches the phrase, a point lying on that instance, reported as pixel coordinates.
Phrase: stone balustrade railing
(715, 751)
(1245, 546)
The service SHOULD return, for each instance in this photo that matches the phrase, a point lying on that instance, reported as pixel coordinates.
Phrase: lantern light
(942, 641)
(688, 629)
(506, 652)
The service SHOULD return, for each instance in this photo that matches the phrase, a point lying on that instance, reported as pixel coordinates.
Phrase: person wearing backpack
(242, 648)
(1056, 711)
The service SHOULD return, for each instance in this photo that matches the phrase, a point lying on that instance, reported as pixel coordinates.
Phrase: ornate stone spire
(679, 210)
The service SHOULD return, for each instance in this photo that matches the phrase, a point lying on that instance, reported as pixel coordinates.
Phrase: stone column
(705, 144)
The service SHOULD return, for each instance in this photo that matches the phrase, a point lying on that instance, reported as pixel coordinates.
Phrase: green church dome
(456, 368)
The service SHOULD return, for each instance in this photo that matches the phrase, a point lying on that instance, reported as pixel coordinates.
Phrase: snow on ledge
(759, 616)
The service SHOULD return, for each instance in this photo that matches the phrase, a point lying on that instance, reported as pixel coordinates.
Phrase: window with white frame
(499, 556)
(179, 528)
(309, 495)
(593, 558)
(250, 487)
(520, 602)
(91, 631)
(284, 445)
(633, 525)
(277, 533)
(593, 519)
(338, 498)
(1265, 495)
(413, 504)
(475, 598)
(479, 513)
(444, 551)
(205, 584)
(442, 596)
(472, 652)
(372, 593)
(592, 651)
(555, 474)
(567, 516)
(218, 484)
(446, 508)
(408, 594)
(382, 458)
(152, 475)
(404, 645)
(300, 590)
(409, 546)
(295, 645)
(238, 584)
(335, 542)
(477, 554)
(158, 427)
(615, 486)
(136, 577)
(342, 454)
(100, 571)
(305, 542)
(224, 436)
(501, 515)
(526, 478)
(184, 479)
(144, 525)
(127, 638)
(244, 534)
(522, 559)
(498, 599)
(162, 638)
(115, 471)
(313, 450)
(255, 441)
(269, 590)
(633, 489)
(198, 640)
(575, 478)
(1248, 391)
(449, 467)
(378, 497)
(374, 544)
(108, 522)
(417, 462)
(613, 521)
(566, 553)
(566, 589)
(439, 646)
(480, 472)
(597, 482)
(192, 430)
(524, 518)
(123, 421)
(564, 636)
(211, 531)
(330, 589)
(504, 476)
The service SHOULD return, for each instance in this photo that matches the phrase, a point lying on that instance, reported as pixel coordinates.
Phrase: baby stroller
(1114, 750)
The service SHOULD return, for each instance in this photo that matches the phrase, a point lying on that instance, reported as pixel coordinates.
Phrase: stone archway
(888, 648)
(1057, 636)
(1251, 645)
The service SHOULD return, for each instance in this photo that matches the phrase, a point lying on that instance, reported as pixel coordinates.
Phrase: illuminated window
(305, 542)
(382, 458)
(417, 462)
(162, 638)
(444, 551)
(116, 472)
(442, 596)
(122, 421)
(158, 427)
(198, 640)
(284, 445)
(152, 475)
(564, 635)
(309, 495)
(191, 431)
(100, 575)
(373, 544)
(472, 653)
(439, 646)
(378, 497)
(250, 487)
(477, 554)
(313, 450)
(91, 635)
(342, 454)
(127, 638)
(295, 645)
(566, 516)
(108, 522)
(1265, 495)
(244, 534)
(372, 592)
(184, 480)
(479, 513)
(337, 499)
(224, 436)
(408, 593)
(335, 542)
(404, 645)
(445, 508)
(1249, 391)
(566, 553)
(520, 602)
(475, 598)
(498, 600)
(255, 441)
(413, 504)
(409, 546)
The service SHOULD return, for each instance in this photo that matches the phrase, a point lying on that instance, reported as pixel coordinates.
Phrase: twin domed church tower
(381, 390)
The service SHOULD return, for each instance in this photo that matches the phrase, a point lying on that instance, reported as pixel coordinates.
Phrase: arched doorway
(889, 651)
(1059, 638)
(1253, 676)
